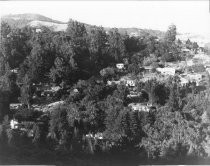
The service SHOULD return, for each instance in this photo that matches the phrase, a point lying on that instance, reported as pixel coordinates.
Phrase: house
(133, 34)
(95, 136)
(166, 71)
(99, 136)
(15, 106)
(76, 90)
(14, 70)
(36, 107)
(128, 81)
(55, 88)
(185, 50)
(14, 124)
(131, 83)
(184, 81)
(50, 107)
(147, 69)
(113, 82)
(120, 66)
(38, 30)
(194, 78)
(133, 94)
(139, 107)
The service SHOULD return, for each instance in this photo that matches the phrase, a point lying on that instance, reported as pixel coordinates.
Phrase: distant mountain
(202, 40)
(37, 20)
(139, 32)
(21, 20)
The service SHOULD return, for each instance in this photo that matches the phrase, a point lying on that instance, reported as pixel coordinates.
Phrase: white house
(95, 136)
(113, 82)
(166, 71)
(133, 94)
(13, 124)
(55, 88)
(14, 70)
(130, 83)
(184, 81)
(15, 105)
(75, 90)
(194, 78)
(186, 50)
(120, 65)
(139, 107)
(38, 30)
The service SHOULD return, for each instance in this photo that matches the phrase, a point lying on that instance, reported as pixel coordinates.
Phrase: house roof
(147, 67)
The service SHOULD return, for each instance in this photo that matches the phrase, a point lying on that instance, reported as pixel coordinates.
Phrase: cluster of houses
(162, 73)
(148, 73)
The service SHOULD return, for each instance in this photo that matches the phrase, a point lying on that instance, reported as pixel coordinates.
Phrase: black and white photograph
(105, 83)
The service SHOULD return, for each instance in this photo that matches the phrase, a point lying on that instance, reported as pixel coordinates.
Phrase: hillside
(21, 20)
(74, 97)
(37, 20)
(202, 40)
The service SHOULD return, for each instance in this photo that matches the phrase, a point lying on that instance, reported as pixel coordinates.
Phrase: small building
(95, 136)
(55, 88)
(133, 94)
(14, 70)
(185, 50)
(184, 81)
(38, 30)
(120, 66)
(194, 78)
(113, 82)
(75, 90)
(131, 83)
(148, 69)
(139, 107)
(14, 124)
(15, 106)
(128, 80)
(166, 71)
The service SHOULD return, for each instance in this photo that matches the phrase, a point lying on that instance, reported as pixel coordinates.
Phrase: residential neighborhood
(117, 85)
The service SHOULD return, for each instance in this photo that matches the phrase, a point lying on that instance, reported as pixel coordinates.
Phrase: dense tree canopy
(94, 115)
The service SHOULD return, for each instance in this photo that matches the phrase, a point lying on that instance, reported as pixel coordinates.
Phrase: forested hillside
(101, 97)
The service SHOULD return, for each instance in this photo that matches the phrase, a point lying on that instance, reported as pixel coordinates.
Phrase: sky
(188, 16)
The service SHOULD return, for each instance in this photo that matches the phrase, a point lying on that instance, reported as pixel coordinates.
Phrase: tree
(26, 92)
(60, 130)
(15, 45)
(5, 91)
(170, 35)
(98, 48)
(79, 38)
(116, 46)
(107, 73)
(41, 57)
(189, 44)
(195, 47)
